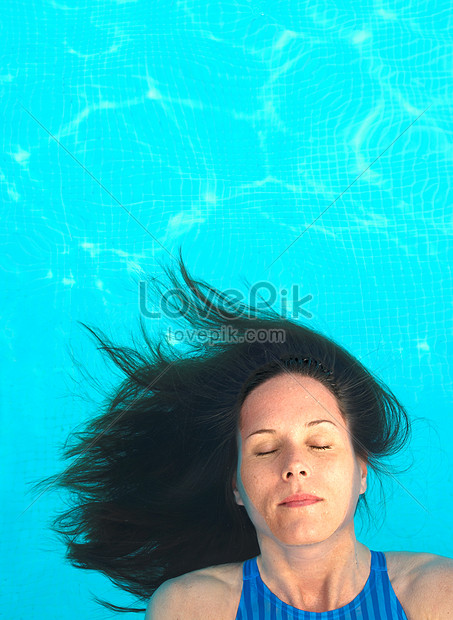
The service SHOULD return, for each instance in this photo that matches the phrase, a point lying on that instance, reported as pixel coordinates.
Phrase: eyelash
(314, 447)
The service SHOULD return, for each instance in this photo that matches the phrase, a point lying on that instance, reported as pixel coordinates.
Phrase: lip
(300, 499)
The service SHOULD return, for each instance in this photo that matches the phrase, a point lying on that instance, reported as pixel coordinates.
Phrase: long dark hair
(152, 477)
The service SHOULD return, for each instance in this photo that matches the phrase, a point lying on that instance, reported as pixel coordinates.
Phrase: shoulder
(213, 592)
(423, 582)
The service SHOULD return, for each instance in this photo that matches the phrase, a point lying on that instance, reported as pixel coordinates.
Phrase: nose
(291, 472)
(295, 466)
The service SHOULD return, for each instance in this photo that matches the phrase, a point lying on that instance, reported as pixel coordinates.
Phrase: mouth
(300, 499)
(298, 503)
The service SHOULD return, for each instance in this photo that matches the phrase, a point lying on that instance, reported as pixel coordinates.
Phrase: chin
(300, 535)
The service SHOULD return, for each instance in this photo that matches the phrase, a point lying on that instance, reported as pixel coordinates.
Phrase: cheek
(344, 475)
(251, 478)
(344, 484)
(259, 483)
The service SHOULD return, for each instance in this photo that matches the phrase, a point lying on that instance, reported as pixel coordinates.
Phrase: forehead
(287, 399)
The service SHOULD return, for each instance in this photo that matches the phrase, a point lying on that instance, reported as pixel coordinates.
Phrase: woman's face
(308, 451)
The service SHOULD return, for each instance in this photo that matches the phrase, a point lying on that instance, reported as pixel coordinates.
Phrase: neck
(316, 577)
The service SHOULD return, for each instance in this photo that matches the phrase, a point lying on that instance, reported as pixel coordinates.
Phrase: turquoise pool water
(292, 143)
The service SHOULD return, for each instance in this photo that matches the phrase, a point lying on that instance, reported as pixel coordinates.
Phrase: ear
(364, 470)
(237, 495)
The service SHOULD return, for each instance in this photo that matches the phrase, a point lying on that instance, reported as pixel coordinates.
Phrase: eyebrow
(271, 430)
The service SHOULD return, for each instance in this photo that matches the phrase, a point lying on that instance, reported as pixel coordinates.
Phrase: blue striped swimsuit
(377, 600)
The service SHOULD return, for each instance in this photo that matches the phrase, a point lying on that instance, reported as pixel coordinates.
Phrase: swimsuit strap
(377, 600)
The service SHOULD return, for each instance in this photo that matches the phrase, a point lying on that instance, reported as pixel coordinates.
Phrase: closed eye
(314, 448)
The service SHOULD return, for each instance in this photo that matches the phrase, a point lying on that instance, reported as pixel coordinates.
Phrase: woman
(309, 557)
(223, 483)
